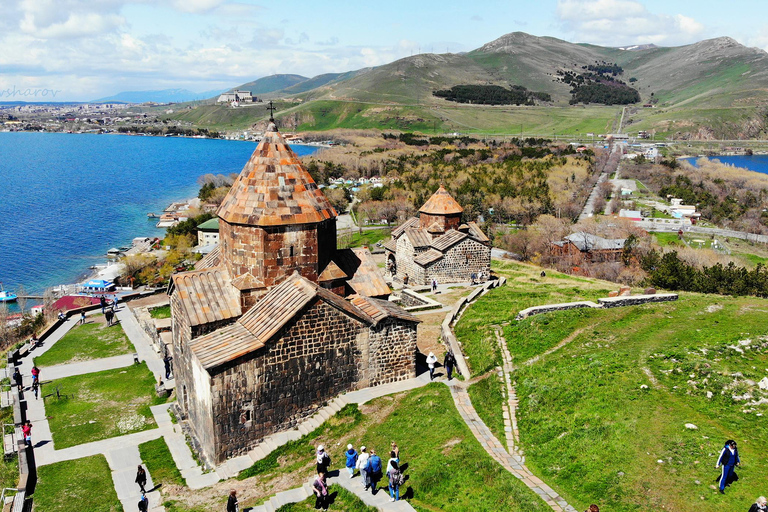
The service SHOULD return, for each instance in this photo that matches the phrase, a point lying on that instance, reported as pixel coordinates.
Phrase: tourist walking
(449, 362)
(36, 388)
(362, 465)
(395, 477)
(393, 447)
(26, 431)
(728, 459)
(114, 304)
(374, 470)
(321, 492)
(232, 505)
(82, 317)
(103, 303)
(760, 505)
(351, 460)
(143, 503)
(109, 315)
(323, 460)
(35, 374)
(141, 478)
(431, 361)
(167, 362)
(434, 286)
(17, 379)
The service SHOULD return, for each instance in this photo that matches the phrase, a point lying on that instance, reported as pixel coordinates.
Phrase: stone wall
(391, 352)
(273, 253)
(609, 302)
(448, 222)
(459, 263)
(311, 360)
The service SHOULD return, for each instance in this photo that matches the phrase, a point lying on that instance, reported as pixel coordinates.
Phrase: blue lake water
(757, 163)
(68, 198)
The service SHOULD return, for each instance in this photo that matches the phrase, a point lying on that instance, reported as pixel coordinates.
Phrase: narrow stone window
(246, 415)
(291, 252)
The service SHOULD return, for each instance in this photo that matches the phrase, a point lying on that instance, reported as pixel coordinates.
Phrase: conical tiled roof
(274, 189)
(441, 203)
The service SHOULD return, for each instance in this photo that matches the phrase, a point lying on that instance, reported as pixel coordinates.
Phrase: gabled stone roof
(418, 237)
(379, 309)
(390, 245)
(435, 228)
(441, 203)
(331, 272)
(451, 238)
(477, 233)
(274, 189)
(412, 222)
(247, 281)
(265, 319)
(207, 296)
(428, 257)
(212, 259)
(366, 278)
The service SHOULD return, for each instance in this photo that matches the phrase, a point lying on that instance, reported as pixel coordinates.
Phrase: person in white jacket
(431, 361)
(362, 465)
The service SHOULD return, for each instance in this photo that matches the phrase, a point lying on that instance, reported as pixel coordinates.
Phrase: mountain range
(713, 88)
(161, 96)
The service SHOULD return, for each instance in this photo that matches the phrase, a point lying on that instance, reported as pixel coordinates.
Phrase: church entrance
(392, 265)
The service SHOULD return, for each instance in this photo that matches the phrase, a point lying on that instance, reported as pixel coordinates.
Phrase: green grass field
(161, 312)
(487, 396)
(157, 457)
(447, 467)
(93, 340)
(602, 419)
(84, 485)
(368, 238)
(100, 405)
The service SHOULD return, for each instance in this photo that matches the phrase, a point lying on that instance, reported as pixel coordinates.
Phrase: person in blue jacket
(374, 470)
(729, 459)
(351, 460)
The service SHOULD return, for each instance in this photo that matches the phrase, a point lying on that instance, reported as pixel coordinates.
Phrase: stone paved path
(511, 462)
(510, 406)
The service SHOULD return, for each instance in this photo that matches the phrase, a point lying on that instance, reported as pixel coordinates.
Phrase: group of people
(19, 381)
(370, 466)
(449, 362)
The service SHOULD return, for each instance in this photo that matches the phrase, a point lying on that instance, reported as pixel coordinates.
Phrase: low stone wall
(608, 302)
(634, 300)
(411, 300)
(537, 310)
(449, 338)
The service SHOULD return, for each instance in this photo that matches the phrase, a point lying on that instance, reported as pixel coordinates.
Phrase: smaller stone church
(437, 246)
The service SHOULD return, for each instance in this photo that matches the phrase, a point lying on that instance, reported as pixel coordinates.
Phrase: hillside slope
(693, 89)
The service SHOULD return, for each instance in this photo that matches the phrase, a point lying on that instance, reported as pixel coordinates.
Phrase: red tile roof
(274, 189)
(477, 233)
(441, 203)
(264, 320)
(418, 237)
(212, 259)
(448, 240)
(206, 295)
(379, 309)
(366, 276)
(428, 257)
(331, 272)
(412, 222)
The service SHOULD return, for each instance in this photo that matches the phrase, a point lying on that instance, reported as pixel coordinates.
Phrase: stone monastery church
(277, 320)
(437, 246)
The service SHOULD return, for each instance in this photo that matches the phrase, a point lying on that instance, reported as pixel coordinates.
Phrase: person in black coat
(728, 459)
(449, 362)
(232, 501)
(17, 379)
(141, 478)
(760, 505)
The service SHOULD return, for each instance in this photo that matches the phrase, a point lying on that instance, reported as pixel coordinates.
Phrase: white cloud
(196, 6)
(620, 22)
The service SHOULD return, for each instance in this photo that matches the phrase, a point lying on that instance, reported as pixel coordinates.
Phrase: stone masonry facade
(457, 264)
(320, 355)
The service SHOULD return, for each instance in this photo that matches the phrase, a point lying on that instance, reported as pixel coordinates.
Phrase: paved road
(609, 168)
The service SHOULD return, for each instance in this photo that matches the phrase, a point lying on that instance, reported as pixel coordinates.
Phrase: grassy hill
(693, 88)
(603, 419)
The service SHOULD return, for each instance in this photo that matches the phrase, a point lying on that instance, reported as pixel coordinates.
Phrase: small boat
(114, 252)
(7, 296)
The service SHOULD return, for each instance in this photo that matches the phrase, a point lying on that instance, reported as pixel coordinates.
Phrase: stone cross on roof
(271, 109)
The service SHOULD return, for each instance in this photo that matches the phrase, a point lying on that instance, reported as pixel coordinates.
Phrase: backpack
(396, 477)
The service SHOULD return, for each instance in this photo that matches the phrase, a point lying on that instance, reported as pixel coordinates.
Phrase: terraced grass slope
(603, 419)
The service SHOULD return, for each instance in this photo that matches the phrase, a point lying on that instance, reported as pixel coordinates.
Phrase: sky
(79, 50)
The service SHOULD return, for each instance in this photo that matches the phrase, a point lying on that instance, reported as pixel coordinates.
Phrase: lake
(757, 163)
(69, 198)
